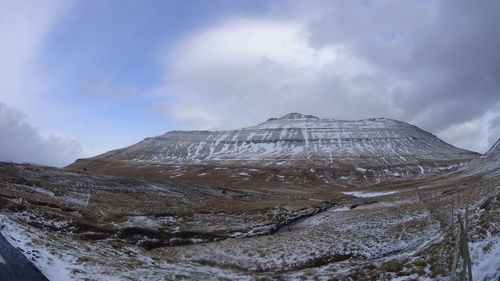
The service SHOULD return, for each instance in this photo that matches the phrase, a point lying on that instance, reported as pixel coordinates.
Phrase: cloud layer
(80, 69)
(434, 64)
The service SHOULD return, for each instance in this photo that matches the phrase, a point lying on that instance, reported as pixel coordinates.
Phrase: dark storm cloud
(448, 51)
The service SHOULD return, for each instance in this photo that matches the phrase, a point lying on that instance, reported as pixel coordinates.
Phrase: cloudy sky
(78, 78)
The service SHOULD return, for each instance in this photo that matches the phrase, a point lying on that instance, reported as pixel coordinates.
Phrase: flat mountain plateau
(294, 198)
(294, 150)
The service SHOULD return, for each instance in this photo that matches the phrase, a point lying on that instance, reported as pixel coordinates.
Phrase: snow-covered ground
(53, 265)
(486, 264)
(400, 235)
(61, 258)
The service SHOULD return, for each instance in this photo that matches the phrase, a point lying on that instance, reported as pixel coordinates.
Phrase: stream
(290, 226)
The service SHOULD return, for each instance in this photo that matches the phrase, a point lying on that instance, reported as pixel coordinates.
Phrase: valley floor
(78, 226)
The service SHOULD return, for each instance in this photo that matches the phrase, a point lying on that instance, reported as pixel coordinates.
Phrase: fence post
(452, 216)
(453, 275)
(467, 264)
(466, 244)
(466, 218)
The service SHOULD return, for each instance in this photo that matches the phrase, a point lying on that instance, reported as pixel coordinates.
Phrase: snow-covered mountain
(296, 139)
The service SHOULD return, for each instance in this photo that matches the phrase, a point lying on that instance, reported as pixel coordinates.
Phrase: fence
(462, 250)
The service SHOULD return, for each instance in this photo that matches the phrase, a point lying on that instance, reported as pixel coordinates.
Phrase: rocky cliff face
(369, 147)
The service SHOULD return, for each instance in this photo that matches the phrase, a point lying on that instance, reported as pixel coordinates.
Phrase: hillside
(494, 152)
(296, 147)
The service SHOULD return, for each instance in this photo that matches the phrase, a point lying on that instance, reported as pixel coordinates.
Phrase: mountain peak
(295, 116)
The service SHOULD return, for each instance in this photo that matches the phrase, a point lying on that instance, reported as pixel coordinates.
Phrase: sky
(79, 78)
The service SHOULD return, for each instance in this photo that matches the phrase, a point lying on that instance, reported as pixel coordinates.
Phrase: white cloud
(244, 71)
(22, 143)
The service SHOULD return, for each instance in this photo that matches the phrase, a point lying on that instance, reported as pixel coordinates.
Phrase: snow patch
(422, 171)
(486, 265)
(341, 209)
(367, 194)
(52, 266)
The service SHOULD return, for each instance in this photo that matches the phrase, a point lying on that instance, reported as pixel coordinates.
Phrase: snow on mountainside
(488, 163)
(296, 138)
(295, 149)
(494, 151)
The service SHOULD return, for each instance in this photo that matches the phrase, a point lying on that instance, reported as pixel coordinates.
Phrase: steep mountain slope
(488, 163)
(494, 152)
(369, 148)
